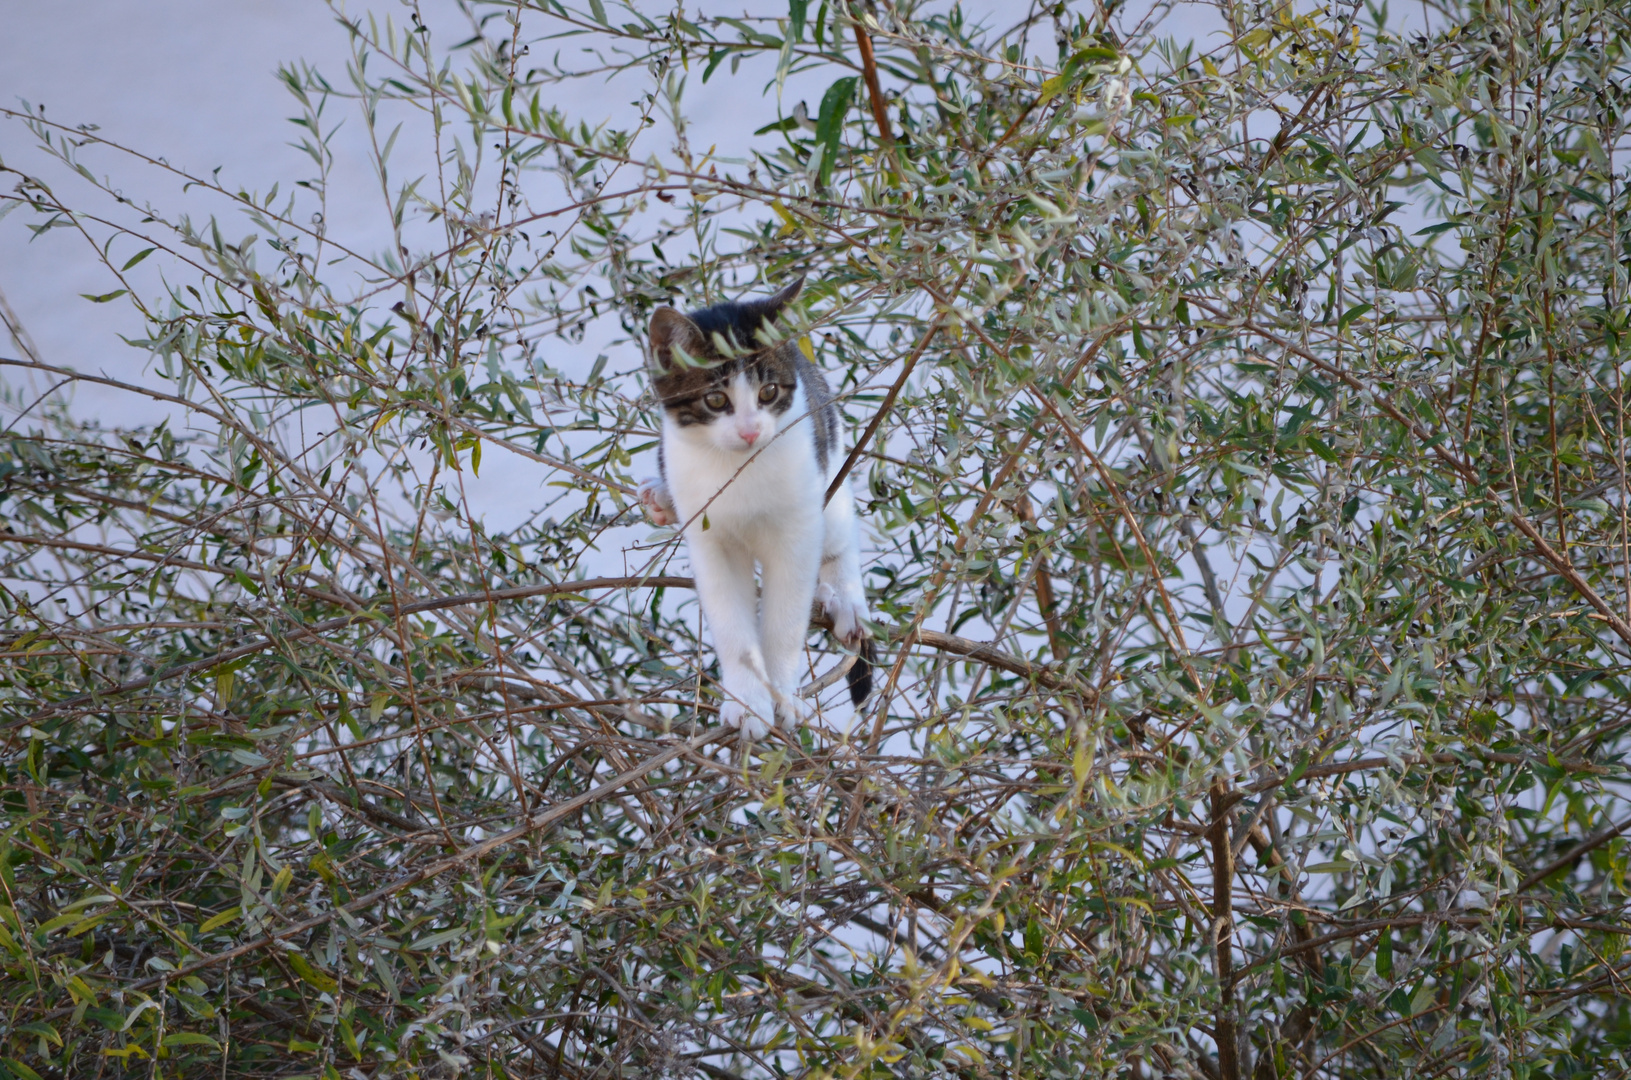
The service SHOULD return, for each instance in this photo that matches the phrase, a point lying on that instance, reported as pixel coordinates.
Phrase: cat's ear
(672, 332)
(771, 307)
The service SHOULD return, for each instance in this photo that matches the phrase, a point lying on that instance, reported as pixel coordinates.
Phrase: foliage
(1249, 552)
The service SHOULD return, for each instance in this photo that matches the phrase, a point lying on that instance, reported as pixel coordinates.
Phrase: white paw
(848, 616)
(658, 503)
(791, 713)
(826, 596)
(733, 714)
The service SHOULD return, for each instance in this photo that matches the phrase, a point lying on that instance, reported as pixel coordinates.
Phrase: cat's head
(725, 375)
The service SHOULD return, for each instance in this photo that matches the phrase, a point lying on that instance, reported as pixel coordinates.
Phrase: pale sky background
(195, 81)
(190, 79)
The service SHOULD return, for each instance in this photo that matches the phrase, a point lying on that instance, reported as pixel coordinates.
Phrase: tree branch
(1589, 844)
(538, 823)
(1223, 929)
(981, 651)
(874, 89)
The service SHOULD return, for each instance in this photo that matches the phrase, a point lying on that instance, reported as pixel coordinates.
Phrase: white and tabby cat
(749, 446)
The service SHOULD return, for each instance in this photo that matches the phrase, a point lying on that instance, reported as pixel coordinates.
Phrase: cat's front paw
(734, 714)
(791, 713)
(848, 615)
(659, 505)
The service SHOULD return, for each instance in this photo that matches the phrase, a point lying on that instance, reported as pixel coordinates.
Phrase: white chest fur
(752, 497)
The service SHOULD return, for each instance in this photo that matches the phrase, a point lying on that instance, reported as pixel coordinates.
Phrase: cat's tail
(859, 676)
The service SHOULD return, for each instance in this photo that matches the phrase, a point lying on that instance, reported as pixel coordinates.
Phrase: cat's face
(721, 378)
(734, 405)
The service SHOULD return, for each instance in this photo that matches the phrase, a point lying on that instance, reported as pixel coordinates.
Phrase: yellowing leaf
(304, 969)
(220, 920)
(22, 1070)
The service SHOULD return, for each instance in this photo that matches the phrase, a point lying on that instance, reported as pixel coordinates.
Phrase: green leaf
(1384, 953)
(1351, 314)
(112, 1019)
(348, 1035)
(1096, 54)
(1320, 449)
(830, 124)
(191, 1038)
(1238, 687)
(796, 10)
(87, 901)
(441, 937)
(104, 297)
(715, 58)
(55, 923)
(44, 1031)
(136, 258)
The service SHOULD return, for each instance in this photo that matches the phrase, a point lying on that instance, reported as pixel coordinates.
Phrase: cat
(749, 446)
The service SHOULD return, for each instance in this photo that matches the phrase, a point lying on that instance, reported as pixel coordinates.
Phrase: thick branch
(1223, 928)
(1568, 858)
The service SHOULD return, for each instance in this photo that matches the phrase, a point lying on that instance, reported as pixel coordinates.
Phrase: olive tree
(1240, 432)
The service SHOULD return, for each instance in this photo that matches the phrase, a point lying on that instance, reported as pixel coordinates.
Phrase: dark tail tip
(860, 672)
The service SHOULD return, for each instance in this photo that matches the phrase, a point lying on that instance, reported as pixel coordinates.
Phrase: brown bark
(1223, 928)
(874, 89)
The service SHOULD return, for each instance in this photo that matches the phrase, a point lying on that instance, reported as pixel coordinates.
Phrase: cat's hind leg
(840, 592)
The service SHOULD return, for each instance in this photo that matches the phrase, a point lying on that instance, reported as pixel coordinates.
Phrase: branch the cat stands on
(747, 453)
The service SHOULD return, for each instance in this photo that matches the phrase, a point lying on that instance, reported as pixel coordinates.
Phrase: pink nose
(748, 436)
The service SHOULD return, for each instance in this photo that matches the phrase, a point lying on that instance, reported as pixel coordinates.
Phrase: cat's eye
(768, 392)
(716, 401)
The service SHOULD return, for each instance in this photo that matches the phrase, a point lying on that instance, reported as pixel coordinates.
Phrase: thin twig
(874, 89)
